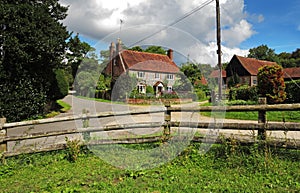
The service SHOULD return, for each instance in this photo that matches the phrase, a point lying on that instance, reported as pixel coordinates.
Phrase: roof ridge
(146, 53)
(247, 58)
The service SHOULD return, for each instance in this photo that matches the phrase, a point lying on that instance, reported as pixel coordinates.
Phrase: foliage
(124, 85)
(234, 80)
(72, 149)
(292, 91)
(229, 167)
(62, 83)
(76, 53)
(200, 94)
(33, 42)
(271, 83)
(286, 60)
(263, 52)
(22, 98)
(87, 78)
(103, 86)
(64, 106)
(155, 50)
(182, 83)
(192, 72)
(241, 102)
(169, 95)
(137, 48)
(244, 92)
(150, 49)
(149, 90)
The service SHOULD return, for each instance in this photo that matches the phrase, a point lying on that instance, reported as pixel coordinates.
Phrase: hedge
(292, 91)
(245, 93)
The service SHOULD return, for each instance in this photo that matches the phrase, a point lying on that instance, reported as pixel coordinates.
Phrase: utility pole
(219, 52)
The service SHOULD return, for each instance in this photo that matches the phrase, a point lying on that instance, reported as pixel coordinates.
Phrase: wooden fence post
(167, 129)
(85, 124)
(3, 134)
(262, 118)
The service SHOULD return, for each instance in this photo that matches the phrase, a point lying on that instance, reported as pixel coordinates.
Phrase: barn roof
(252, 65)
(291, 72)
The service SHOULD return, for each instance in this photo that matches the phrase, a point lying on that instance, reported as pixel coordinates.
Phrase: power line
(206, 3)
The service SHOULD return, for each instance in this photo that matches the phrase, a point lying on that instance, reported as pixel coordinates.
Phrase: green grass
(287, 116)
(225, 168)
(64, 106)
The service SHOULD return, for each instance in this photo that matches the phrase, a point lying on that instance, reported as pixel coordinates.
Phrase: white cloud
(98, 19)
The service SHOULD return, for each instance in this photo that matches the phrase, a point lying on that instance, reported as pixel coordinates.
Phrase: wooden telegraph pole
(219, 52)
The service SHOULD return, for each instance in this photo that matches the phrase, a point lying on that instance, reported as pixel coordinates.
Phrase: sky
(245, 24)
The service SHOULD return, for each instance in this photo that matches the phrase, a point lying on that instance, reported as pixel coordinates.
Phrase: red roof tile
(202, 81)
(291, 72)
(143, 61)
(252, 65)
(215, 74)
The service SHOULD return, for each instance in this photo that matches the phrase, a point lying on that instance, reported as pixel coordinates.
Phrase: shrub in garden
(245, 92)
(292, 91)
(271, 83)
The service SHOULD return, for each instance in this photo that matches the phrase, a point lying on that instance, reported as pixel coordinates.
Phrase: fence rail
(261, 126)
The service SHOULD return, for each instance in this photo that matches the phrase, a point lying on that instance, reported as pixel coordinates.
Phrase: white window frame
(141, 88)
(170, 76)
(156, 75)
(141, 74)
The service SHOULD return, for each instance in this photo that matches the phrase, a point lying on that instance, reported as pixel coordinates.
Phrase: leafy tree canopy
(263, 52)
(33, 42)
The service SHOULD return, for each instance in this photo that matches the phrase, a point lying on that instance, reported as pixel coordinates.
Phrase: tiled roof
(291, 72)
(202, 81)
(143, 61)
(252, 65)
(215, 74)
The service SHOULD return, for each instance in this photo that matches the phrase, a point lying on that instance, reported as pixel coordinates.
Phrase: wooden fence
(32, 130)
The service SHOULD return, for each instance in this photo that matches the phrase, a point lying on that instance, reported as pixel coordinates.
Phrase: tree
(155, 50)
(87, 77)
(137, 48)
(263, 52)
(76, 53)
(271, 83)
(192, 72)
(33, 42)
(123, 86)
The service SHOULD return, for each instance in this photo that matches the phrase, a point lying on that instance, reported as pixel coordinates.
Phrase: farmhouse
(247, 69)
(155, 70)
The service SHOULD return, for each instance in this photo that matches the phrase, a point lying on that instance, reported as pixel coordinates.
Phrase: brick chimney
(119, 46)
(112, 48)
(112, 54)
(170, 54)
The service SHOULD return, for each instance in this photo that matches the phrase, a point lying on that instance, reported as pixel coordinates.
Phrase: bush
(271, 83)
(292, 91)
(62, 84)
(169, 95)
(245, 93)
(200, 94)
(22, 98)
(241, 102)
(149, 90)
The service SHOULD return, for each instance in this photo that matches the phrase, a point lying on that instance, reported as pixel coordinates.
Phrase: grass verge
(279, 116)
(224, 168)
